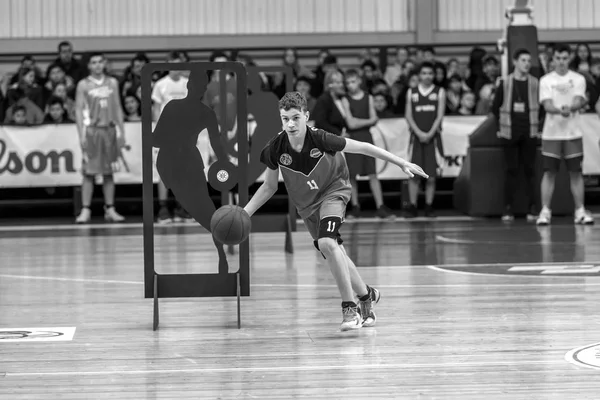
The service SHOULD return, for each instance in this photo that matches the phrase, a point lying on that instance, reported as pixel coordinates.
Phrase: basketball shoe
(583, 217)
(111, 215)
(366, 307)
(352, 318)
(84, 216)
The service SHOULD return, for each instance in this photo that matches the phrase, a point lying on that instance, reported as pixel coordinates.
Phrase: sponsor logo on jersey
(425, 108)
(285, 159)
(102, 92)
(315, 153)
(528, 269)
(433, 97)
(586, 356)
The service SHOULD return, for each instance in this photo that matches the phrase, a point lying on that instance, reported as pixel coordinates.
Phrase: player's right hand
(411, 170)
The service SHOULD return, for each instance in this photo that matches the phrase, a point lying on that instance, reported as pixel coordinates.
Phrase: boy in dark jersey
(316, 177)
(425, 108)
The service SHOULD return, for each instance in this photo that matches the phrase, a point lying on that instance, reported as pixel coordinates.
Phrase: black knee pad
(329, 227)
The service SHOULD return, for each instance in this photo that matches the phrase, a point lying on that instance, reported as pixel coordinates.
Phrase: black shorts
(358, 164)
(554, 151)
(428, 155)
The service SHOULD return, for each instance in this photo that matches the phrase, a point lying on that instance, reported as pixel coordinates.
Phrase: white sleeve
(545, 89)
(579, 87)
(157, 96)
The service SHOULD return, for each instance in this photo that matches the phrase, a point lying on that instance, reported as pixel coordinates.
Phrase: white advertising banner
(50, 155)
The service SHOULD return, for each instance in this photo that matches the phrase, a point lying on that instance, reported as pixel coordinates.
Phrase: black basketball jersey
(424, 106)
(313, 174)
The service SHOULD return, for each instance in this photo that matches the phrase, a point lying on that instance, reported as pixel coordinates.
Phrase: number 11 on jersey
(312, 185)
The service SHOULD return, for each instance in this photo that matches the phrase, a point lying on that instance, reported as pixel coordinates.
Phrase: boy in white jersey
(562, 93)
(170, 87)
(98, 96)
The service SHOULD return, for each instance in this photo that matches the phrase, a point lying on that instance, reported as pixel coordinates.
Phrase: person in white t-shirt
(170, 87)
(562, 93)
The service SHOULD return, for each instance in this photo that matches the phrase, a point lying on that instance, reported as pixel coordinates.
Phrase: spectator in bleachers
(18, 117)
(290, 59)
(379, 86)
(319, 74)
(452, 67)
(56, 113)
(369, 74)
(398, 87)
(395, 70)
(330, 63)
(28, 62)
(467, 104)
(248, 61)
(412, 83)
(212, 97)
(485, 99)
(328, 112)
(367, 55)
(454, 94)
(382, 102)
(582, 58)
(132, 77)
(429, 54)
(132, 107)
(26, 87)
(72, 66)
(475, 67)
(57, 75)
(546, 58)
(441, 75)
(491, 72)
(303, 86)
(60, 91)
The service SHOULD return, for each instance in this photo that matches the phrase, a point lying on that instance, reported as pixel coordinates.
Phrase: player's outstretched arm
(264, 192)
(410, 169)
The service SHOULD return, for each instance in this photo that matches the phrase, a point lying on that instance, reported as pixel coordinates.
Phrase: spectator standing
(71, 65)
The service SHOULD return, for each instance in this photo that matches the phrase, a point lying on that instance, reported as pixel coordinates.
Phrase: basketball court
(470, 309)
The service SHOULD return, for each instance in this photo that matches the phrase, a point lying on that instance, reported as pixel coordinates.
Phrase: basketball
(230, 224)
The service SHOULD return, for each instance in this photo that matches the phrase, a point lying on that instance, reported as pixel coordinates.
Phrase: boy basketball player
(562, 93)
(98, 97)
(170, 87)
(425, 108)
(317, 180)
(360, 117)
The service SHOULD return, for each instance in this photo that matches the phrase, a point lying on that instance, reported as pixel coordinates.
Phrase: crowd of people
(31, 96)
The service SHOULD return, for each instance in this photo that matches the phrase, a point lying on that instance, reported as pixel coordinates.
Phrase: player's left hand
(411, 170)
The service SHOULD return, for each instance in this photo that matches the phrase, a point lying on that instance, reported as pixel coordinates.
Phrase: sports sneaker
(352, 319)
(532, 215)
(84, 216)
(111, 215)
(384, 212)
(429, 211)
(353, 212)
(180, 215)
(583, 217)
(545, 217)
(411, 211)
(164, 216)
(366, 308)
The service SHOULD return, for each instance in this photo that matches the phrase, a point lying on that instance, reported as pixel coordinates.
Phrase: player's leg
(552, 155)
(527, 156)
(110, 155)
(89, 167)
(574, 160)
(368, 296)
(511, 172)
(164, 216)
(331, 216)
(416, 150)
(430, 166)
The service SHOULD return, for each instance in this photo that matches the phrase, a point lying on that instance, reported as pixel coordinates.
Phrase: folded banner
(50, 156)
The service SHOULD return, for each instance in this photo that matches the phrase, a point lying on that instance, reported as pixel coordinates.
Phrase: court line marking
(444, 239)
(282, 368)
(311, 286)
(440, 268)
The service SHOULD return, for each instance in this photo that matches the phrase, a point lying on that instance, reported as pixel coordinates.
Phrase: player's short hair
(293, 100)
(63, 44)
(95, 54)
(175, 55)
(562, 48)
(18, 108)
(426, 64)
(217, 54)
(368, 63)
(352, 73)
(520, 52)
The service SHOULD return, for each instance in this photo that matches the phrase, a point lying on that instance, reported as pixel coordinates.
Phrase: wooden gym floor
(470, 310)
